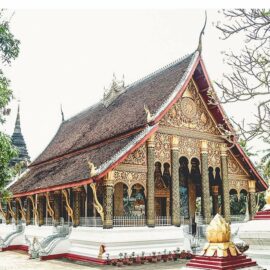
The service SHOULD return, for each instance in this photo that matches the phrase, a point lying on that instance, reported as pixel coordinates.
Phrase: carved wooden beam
(49, 208)
(35, 210)
(12, 213)
(97, 204)
(67, 206)
(4, 214)
(22, 211)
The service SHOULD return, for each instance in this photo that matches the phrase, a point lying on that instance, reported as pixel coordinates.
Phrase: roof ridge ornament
(199, 48)
(92, 168)
(116, 88)
(150, 117)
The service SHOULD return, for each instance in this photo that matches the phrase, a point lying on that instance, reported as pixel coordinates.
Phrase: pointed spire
(17, 128)
(62, 113)
(199, 48)
(18, 141)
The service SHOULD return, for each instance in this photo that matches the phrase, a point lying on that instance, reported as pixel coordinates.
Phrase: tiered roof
(107, 132)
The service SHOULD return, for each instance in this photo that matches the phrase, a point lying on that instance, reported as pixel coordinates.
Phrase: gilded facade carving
(238, 185)
(138, 157)
(130, 179)
(163, 147)
(234, 167)
(190, 112)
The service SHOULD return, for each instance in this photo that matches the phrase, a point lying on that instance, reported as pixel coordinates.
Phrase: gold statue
(92, 169)
(219, 237)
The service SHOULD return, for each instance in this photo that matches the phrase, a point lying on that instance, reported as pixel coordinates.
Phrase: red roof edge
(230, 127)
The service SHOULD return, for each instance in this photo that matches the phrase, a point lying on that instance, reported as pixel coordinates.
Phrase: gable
(190, 112)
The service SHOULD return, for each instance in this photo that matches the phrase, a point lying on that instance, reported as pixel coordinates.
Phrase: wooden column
(175, 182)
(205, 182)
(28, 211)
(151, 181)
(225, 183)
(17, 213)
(40, 209)
(57, 206)
(77, 205)
(108, 201)
(215, 199)
(252, 198)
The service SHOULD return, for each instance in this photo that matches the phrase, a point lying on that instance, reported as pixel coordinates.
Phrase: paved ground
(15, 260)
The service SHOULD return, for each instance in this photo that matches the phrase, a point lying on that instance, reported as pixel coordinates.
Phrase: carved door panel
(160, 206)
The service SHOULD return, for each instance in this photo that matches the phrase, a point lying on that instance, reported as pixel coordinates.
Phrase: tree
(250, 68)
(9, 50)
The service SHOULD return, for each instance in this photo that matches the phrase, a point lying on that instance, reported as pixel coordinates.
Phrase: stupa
(220, 252)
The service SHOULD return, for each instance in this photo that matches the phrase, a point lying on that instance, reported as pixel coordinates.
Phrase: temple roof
(108, 131)
(18, 141)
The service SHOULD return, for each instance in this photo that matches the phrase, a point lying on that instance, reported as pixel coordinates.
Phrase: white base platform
(86, 241)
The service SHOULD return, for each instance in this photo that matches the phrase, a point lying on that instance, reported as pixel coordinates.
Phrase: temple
(150, 155)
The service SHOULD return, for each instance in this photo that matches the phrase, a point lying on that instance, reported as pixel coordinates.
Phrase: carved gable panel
(190, 112)
(138, 157)
(234, 167)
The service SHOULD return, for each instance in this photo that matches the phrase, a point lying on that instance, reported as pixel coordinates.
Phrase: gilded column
(40, 210)
(215, 199)
(57, 206)
(118, 200)
(77, 205)
(225, 183)
(252, 198)
(175, 182)
(28, 212)
(205, 182)
(108, 201)
(151, 181)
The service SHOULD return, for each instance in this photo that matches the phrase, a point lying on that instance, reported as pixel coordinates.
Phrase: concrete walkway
(16, 260)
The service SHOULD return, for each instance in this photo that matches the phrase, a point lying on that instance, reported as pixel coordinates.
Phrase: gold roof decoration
(116, 88)
(219, 237)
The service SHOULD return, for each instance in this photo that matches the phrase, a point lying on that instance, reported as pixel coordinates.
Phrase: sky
(68, 56)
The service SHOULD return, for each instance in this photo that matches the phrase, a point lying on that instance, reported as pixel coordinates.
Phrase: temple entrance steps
(46, 241)
(11, 235)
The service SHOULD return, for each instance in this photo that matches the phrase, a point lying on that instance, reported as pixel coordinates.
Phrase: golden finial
(199, 49)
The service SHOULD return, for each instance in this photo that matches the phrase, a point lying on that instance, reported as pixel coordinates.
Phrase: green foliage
(9, 50)
(238, 207)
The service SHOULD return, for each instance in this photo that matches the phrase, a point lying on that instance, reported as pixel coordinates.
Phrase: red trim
(180, 93)
(220, 109)
(54, 188)
(75, 257)
(16, 247)
(141, 142)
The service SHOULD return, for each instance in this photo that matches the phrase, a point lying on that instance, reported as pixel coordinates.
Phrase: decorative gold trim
(151, 141)
(204, 146)
(131, 168)
(35, 210)
(97, 205)
(252, 185)
(67, 206)
(174, 142)
(223, 150)
(22, 211)
(49, 208)
(194, 134)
